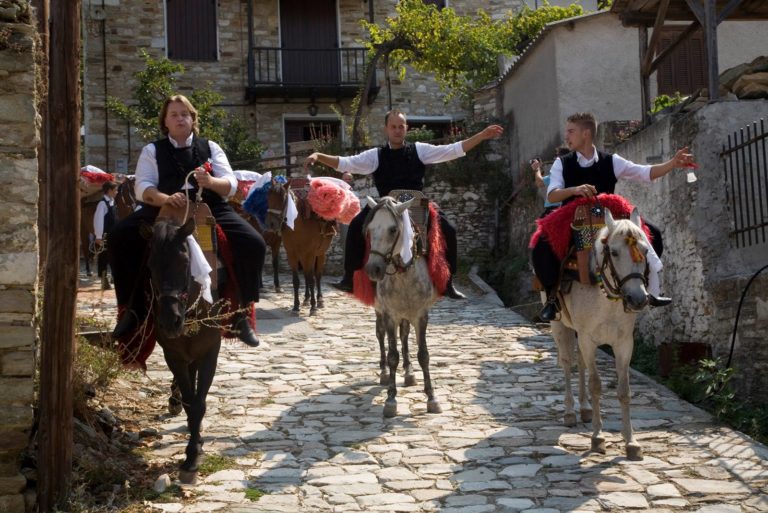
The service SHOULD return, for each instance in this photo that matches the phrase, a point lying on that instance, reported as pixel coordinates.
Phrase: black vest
(600, 174)
(399, 169)
(173, 165)
(110, 217)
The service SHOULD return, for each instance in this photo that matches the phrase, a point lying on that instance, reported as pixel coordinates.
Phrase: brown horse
(305, 245)
(273, 239)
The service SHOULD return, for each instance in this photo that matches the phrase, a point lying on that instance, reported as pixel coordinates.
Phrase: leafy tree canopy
(156, 82)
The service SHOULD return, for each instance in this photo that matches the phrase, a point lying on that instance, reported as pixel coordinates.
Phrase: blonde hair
(584, 120)
(188, 104)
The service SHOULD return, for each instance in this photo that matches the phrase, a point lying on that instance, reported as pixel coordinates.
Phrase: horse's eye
(392, 230)
(614, 253)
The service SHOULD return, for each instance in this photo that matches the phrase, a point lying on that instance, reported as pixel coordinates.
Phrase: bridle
(390, 256)
(280, 213)
(610, 282)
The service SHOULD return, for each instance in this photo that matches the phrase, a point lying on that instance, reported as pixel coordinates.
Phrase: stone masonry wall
(703, 270)
(18, 245)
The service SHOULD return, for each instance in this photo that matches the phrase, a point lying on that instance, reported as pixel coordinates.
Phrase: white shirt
(623, 169)
(367, 162)
(98, 216)
(147, 174)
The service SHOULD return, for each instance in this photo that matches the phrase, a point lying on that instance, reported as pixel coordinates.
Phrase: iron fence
(308, 66)
(746, 175)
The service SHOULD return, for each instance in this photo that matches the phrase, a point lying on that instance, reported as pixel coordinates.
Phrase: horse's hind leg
(565, 340)
(586, 409)
(380, 335)
(309, 280)
(410, 377)
(174, 401)
(393, 359)
(276, 266)
(433, 406)
(319, 267)
(296, 285)
(588, 348)
(623, 354)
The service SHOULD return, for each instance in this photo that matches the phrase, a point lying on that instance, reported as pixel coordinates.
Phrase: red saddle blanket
(136, 347)
(364, 290)
(556, 227)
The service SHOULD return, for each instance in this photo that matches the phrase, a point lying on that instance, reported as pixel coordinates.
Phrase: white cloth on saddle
(200, 268)
(243, 175)
(655, 265)
(258, 181)
(291, 212)
(406, 241)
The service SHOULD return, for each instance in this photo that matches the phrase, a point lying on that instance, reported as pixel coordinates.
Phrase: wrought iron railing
(307, 66)
(746, 175)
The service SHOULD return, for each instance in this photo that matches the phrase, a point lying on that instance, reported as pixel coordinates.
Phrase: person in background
(543, 181)
(104, 219)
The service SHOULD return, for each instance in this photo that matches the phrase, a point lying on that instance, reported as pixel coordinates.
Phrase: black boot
(242, 328)
(345, 285)
(126, 325)
(551, 307)
(658, 301)
(451, 292)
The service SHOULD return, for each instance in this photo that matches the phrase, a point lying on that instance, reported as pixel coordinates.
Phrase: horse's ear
(400, 208)
(635, 217)
(371, 202)
(609, 222)
(186, 229)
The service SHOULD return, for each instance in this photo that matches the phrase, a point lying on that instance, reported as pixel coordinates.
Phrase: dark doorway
(309, 130)
(310, 49)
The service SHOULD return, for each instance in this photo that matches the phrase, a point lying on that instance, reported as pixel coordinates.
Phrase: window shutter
(684, 70)
(191, 30)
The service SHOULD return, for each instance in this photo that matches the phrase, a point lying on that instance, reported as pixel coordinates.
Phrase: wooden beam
(729, 7)
(681, 37)
(710, 37)
(55, 444)
(696, 9)
(660, 15)
(645, 86)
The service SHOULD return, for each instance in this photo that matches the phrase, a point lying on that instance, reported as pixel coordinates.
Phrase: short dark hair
(561, 151)
(394, 112)
(584, 120)
(108, 186)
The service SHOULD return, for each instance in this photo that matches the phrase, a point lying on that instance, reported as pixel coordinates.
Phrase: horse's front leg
(433, 406)
(410, 378)
(381, 332)
(296, 285)
(584, 406)
(174, 401)
(565, 341)
(319, 267)
(309, 280)
(623, 354)
(588, 348)
(276, 266)
(183, 379)
(393, 358)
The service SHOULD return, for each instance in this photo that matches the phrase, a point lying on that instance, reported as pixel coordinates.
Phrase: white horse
(605, 317)
(404, 294)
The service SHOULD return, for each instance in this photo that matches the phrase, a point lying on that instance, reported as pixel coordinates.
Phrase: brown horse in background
(306, 244)
(273, 239)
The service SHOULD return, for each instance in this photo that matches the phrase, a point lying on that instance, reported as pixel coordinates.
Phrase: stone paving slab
(302, 416)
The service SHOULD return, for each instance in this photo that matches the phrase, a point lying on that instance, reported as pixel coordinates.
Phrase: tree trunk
(57, 344)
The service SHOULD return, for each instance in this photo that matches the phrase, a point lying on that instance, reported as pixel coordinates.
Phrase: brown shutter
(684, 70)
(191, 30)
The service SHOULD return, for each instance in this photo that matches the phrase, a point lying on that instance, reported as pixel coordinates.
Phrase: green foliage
(460, 51)
(216, 462)
(663, 101)
(254, 494)
(156, 82)
(502, 272)
(421, 134)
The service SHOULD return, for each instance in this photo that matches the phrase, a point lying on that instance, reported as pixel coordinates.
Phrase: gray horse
(404, 294)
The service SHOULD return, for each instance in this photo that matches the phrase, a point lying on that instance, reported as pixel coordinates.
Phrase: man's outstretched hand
(684, 159)
(492, 132)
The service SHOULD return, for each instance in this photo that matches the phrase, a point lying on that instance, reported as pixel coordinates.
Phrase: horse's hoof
(188, 477)
(305, 302)
(586, 416)
(313, 311)
(384, 379)
(569, 419)
(320, 303)
(278, 289)
(390, 409)
(410, 380)
(174, 406)
(634, 452)
(295, 309)
(434, 407)
(598, 445)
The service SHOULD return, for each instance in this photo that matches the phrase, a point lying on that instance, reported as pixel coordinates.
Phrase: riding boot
(126, 325)
(658, 301)
(551, 308)
(346, 284)
(451, 292)
(242, 328)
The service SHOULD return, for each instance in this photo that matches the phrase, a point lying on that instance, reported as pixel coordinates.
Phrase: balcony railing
(306, 72)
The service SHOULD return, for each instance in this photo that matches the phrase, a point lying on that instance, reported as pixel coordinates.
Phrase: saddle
(300, 189)
(588, 220)
(418, 211)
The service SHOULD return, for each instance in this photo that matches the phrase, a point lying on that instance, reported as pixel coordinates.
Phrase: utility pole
(60, 287)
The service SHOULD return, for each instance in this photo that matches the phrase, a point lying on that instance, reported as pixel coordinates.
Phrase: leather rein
(389, 257)
(610, 282)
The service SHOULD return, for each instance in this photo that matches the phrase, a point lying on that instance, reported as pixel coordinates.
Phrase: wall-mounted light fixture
(312, 109)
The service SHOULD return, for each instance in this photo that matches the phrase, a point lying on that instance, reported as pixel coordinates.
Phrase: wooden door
(310, 48)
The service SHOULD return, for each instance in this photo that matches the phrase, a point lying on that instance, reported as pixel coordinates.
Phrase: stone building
(18, 244)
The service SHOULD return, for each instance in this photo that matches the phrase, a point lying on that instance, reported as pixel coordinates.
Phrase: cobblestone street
(302, 417)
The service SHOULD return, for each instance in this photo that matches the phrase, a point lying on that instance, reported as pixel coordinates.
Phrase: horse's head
(277, 199)
(169, 267)
(384, 230)
(621, 248)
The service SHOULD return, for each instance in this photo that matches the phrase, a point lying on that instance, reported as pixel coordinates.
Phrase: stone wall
(703, 270)
(18, 244)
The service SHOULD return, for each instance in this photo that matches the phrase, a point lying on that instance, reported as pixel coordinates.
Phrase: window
(685, 69)
(439, 3)
(191, 30)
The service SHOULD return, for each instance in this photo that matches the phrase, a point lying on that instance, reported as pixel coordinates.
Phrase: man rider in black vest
(398, 165)
(588, 172)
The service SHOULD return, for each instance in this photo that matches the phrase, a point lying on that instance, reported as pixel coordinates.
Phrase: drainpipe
(104, 69)
(370, 11)
(251, 70)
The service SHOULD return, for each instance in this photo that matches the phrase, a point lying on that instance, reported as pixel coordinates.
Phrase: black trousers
(102, 259)
(546, 265)
(127, 250)
(354, 247)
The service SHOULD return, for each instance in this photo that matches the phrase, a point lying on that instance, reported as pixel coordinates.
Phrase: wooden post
(645, 83)
(710, 36)
(57, 336)
(42, 10)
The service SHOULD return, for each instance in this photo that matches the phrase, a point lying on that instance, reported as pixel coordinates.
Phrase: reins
(610, 282)
(389, 257)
